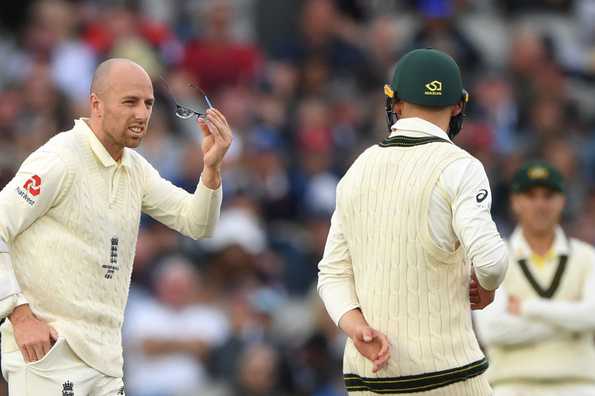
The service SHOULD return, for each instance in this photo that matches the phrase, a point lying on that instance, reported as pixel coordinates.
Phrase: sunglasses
(185, 112)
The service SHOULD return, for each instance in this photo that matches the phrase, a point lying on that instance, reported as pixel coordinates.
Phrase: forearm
(503, 330)
(572, 316)
(194, 215)
(473, 223)
(490, 266)
(205, 207)
(336, 283)
(211, 177)
(351, 320)
(338, 294)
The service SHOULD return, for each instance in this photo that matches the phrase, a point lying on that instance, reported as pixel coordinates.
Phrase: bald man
(69, 220)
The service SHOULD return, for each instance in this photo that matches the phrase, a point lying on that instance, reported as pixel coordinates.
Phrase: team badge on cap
(538, 172)
(434, 88)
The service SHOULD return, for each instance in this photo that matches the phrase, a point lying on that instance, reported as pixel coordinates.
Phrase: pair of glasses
(185, 112)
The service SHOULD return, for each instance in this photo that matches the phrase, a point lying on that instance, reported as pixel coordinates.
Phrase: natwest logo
(33, 185)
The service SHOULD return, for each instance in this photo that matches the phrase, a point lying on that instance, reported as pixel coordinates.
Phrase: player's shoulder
(463, 167)
(58, 149)
(62, 143)
(580, 247)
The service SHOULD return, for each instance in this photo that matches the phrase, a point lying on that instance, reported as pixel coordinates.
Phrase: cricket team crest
(68, 389)
(113, 263)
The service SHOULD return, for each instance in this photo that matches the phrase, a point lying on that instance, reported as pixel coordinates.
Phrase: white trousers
(545, 390)
(59, 373)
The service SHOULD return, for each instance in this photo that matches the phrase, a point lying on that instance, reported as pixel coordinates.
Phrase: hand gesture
(33, 336)
(217, 138)
(373, 345)
(478, 296)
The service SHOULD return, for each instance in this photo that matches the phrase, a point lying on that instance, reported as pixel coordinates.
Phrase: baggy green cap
(427, 77)
(537, 174)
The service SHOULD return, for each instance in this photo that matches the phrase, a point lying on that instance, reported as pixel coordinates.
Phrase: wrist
(211, 177)
(20, 313)
(351, 321)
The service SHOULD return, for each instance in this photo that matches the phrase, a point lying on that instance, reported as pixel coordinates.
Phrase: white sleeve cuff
(8, 281)
(338, 300)
(8, 304)
(21, 300)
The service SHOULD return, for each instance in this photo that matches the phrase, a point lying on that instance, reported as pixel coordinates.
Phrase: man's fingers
(380, 363)
(221, 128)
(37, 351)
(220, 116)
(25, 353)
(203, 126)
(221, 122)
(384, 348)
(53, 334)
(214, 129)
(45, 348)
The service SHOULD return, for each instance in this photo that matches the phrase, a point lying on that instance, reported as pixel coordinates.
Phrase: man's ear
(96, 105)
(456, 109)
(398, 108)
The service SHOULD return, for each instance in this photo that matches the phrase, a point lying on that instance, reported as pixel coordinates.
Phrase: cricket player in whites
(412, 247)
(69, 220)
(539, 330)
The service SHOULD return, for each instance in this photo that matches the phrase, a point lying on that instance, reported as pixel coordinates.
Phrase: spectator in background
(169, 338)
(440, 30)
(216, 59)
(257, 372)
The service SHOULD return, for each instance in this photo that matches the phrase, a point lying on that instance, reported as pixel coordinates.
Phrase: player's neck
(115, 150)
(439, 119)
(540, 243)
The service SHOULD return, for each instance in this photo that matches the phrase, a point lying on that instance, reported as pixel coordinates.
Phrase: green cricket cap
(427, 77)
(537, 174)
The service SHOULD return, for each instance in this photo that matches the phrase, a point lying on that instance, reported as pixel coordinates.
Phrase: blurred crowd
(300, 82)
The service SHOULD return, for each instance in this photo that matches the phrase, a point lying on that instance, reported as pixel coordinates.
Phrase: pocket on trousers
(48, 357)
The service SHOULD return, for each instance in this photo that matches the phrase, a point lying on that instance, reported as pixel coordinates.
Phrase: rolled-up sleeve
(194, 215)
(37, 186)
(336, 284)
(473, 224)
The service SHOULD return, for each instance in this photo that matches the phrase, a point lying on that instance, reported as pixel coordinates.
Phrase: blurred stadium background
(301, 84)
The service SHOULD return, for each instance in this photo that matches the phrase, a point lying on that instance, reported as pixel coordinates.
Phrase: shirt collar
(415, 126)
(521, 249)
(98, 148)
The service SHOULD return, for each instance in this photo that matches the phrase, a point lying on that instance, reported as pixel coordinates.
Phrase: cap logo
(538, 173)
(433, 88)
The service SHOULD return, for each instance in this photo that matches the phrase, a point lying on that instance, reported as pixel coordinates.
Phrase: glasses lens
(184, 112)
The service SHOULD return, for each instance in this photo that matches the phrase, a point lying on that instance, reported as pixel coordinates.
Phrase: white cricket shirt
(69, 221)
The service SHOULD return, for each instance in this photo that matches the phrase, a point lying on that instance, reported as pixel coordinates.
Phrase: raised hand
(217, 138)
